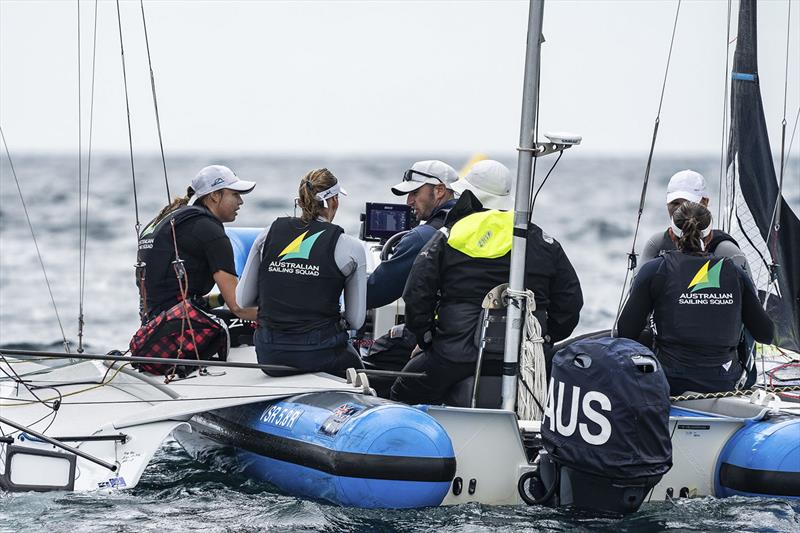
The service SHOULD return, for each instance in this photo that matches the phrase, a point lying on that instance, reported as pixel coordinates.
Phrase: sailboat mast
(521, 207)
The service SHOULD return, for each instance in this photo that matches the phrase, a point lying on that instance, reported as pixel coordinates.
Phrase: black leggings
(441, 374)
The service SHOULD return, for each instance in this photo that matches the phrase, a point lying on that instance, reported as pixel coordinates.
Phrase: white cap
(422, 172)
(490, 182)
(688, 185)
(217, 177)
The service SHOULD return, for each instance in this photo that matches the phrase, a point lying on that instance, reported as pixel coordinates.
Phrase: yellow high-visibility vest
(484, 235)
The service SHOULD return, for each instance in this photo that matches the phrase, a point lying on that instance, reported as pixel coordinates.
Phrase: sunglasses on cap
(409, 175)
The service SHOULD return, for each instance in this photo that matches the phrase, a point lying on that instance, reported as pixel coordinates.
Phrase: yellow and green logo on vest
(706, 278)
(300, 248)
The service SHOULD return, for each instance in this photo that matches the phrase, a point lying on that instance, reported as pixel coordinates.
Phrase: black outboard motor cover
(607, 417)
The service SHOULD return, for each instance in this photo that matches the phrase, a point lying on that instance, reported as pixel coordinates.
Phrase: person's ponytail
(692, 220)
(312, 183)
(178, 201)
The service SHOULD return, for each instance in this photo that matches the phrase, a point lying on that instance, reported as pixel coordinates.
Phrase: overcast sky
(357, 78)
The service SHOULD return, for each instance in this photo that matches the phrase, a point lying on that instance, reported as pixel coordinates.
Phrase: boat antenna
(772, 245)
(723, 149)
(521, 205)
(85, 219)
(155, 101)
(35, 242)
(632, 254)
(128, 113)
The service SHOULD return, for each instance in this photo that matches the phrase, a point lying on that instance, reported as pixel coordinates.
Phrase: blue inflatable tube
(242, 240)
(345, 448)
(762, 459)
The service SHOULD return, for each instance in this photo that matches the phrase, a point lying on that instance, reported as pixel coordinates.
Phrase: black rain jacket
(445, 289)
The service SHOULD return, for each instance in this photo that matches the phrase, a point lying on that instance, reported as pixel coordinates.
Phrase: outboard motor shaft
(605, 427)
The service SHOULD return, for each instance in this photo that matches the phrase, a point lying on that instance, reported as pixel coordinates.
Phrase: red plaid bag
(175, 334)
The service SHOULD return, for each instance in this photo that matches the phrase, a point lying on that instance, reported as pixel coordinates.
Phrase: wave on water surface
(178, 494)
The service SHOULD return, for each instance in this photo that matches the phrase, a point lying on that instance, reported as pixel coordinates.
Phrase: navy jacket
(386, 283)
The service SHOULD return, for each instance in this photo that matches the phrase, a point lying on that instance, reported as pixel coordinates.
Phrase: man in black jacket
(456, 269)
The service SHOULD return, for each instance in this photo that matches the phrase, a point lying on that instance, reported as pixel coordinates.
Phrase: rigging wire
(35, 242)
(58, 401)
(106, 380)
(128, 113)
(731, 197)
(791, 139)
(763, 263)
(632, 254)
(722, 151)
(54, 414)
(533, 202)
(268, 396)
(775, 223)
(85, 229)
(775, 220)
(264, 395)
(24, 383)
(155, 101)
(54, 408)
(80, 186)
(786, 67)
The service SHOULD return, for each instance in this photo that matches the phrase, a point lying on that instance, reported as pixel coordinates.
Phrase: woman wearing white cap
(214, 197)
(699, 305)
(296, 272)
(688, 185)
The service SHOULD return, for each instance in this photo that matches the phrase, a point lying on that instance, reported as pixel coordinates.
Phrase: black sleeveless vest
(299, 283)
(698, 315)
(157, 249)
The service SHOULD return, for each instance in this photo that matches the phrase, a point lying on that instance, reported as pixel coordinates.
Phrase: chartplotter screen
(384, 220)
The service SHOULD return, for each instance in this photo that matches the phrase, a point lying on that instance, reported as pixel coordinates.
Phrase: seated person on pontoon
(214, 197)
(295, 273)
(455, 271)
(429, 189)
(699, 305)
(688, 185)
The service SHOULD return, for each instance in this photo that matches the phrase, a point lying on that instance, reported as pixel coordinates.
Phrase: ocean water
(588, 204)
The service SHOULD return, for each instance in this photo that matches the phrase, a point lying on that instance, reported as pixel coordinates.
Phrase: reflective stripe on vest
(486, 235)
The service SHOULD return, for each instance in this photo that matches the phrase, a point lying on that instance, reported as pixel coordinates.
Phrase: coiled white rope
(532, 394)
